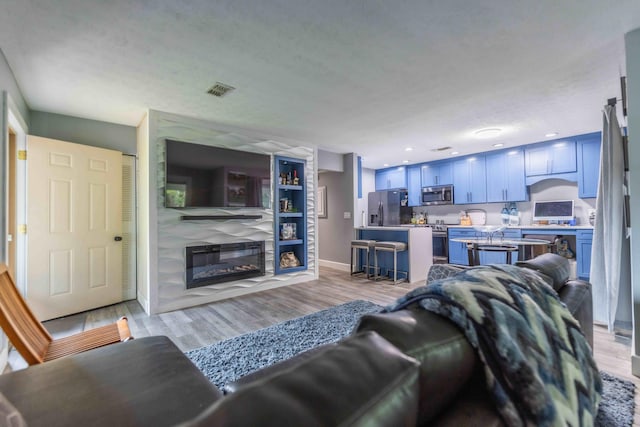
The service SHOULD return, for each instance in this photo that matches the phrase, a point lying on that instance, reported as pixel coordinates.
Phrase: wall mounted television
(203, 176)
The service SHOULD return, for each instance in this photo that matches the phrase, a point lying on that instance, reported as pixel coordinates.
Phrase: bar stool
(388, 246)
(365, 245)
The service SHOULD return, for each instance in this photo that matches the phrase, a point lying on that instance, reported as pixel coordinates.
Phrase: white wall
(632, 43)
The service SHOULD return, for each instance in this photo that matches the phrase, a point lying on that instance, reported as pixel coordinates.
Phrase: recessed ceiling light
(405, 161)
(408, 149)
(453, 153)
(487, 133)
(551, 134)
(499, 144)
(385, 165)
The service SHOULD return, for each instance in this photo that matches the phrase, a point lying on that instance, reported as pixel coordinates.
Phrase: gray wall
(335, 232)
(632, 42)
(84, 131)
(8, 83)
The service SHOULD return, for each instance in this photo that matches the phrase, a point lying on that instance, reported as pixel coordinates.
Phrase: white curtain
(610, 265)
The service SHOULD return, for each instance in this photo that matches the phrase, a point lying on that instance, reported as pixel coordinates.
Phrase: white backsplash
(549, 189)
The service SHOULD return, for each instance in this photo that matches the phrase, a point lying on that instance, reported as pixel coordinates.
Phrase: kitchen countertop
(534, 227)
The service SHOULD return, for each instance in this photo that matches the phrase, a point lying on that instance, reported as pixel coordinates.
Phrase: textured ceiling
(370, 77)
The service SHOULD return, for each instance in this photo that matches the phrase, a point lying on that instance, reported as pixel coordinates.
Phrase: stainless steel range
(440, 242)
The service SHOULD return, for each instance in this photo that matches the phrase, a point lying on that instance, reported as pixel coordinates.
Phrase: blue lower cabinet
(584, 242)
(385, 259)
(500, 257)
(458, 253)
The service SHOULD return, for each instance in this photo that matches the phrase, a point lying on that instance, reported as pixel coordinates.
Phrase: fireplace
(211, 264)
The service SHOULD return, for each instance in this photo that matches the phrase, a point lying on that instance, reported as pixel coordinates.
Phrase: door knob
(117, 238)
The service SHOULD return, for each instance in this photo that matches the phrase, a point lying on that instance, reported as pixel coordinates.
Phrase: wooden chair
(33, 341)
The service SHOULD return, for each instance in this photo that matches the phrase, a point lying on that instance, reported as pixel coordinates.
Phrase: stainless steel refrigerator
(389, 207)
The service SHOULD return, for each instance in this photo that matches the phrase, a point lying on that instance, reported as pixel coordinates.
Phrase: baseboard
(635, 365)
(334, 265)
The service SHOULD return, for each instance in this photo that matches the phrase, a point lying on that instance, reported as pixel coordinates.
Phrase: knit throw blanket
(538, 364)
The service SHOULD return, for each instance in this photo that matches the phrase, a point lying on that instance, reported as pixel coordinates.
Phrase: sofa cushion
(363, 381)
(556, 268)
(446, 358)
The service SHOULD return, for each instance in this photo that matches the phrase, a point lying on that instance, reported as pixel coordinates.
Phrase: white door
(74, 224)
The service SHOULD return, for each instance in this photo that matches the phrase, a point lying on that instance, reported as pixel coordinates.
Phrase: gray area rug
(617, 405)
(228, 360)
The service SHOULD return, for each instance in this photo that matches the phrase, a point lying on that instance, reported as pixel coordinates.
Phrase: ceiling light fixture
(551, 134)
(499, 144)
(408, 149)
(487, 133)
(405, 161)
(453, 153)
(385, 165)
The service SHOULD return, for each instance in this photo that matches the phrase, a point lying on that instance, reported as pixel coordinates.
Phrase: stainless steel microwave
(438, 195)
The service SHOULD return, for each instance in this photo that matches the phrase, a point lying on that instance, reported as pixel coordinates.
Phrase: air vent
(441, 149)
(220, 89)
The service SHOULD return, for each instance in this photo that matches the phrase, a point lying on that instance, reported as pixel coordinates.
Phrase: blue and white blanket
(538, 364)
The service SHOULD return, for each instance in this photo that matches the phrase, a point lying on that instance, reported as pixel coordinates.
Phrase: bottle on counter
(414, 219)
(514, 216)
(504, 215)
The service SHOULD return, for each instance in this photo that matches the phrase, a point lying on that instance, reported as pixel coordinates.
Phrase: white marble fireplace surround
(165, 236)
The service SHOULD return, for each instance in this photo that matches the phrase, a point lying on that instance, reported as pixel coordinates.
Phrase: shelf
(289, 187)
(217, 217)
(286, 222)
(290, 242)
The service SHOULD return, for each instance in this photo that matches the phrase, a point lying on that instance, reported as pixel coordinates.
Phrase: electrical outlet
(347, 215)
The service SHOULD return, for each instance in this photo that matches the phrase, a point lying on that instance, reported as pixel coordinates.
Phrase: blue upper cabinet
(413, 185)
(470, 180)
(588, 165)
(505, 176)
(437, 173)
(556, 157)
(391, 178)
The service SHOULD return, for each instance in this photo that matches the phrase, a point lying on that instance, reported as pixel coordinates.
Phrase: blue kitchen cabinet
(588, 165)
(549, 158)
(413, 185)
(505, 176)
(584, 242)
(458, 253)
(470, 180)
(437, 173)
(391, 178)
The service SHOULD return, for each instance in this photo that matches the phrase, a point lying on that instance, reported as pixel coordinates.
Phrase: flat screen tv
(202, 176)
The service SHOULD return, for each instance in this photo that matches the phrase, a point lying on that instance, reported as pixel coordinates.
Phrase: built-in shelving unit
(290, 213)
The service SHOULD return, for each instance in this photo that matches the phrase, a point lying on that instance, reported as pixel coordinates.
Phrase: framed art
(322, 202)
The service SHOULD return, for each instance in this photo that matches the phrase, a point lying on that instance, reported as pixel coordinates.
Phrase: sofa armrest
(142, 382)
(577, 296)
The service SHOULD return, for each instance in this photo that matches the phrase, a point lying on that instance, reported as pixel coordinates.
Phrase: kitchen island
(415, 261)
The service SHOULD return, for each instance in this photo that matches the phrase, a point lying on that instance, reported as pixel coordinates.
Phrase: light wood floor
(203, 325)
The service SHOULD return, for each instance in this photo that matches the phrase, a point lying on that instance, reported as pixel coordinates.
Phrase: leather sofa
(410, 367)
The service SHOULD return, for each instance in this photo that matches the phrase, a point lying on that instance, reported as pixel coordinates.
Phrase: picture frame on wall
(322, 202)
